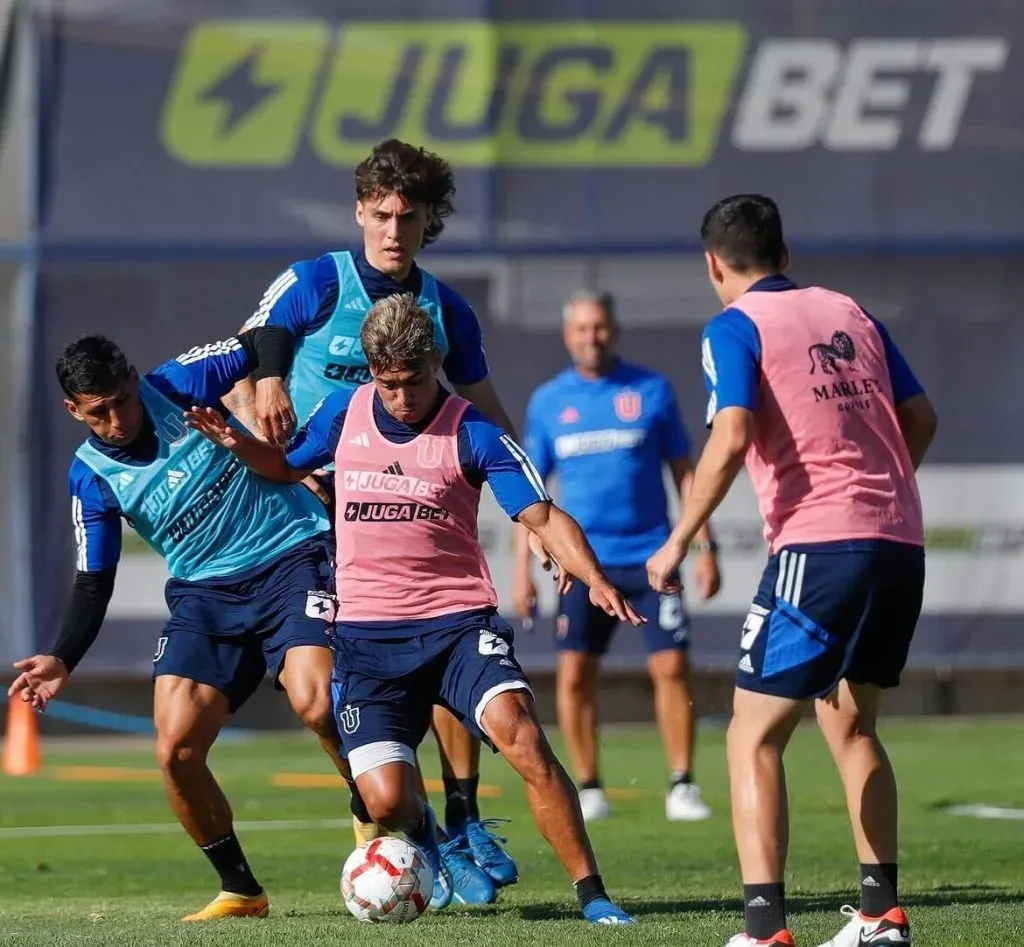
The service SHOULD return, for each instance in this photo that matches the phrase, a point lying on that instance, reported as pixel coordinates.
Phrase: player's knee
(514, 728)
(312, 705)
(179, 754)
(575, 677)
(389, 804)
(668, 668)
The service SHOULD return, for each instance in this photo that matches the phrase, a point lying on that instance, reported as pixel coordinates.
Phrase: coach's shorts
(228, 635)
(385, 689)
(830, 611)
(584, 627)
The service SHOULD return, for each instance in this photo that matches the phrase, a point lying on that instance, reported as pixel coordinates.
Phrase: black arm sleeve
(271, 348)
(86, 610)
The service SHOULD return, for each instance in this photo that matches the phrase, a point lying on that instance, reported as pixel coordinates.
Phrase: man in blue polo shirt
(608, 429)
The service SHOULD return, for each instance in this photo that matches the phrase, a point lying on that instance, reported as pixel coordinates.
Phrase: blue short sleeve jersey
(194, 503)
(329, 297)
(731, 357)
(608, 441)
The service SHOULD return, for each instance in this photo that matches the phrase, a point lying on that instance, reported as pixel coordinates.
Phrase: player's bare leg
(305, 676)
(510, 720)
(188, 717)
(472, 837)
(848, 718)
(576, 698)
(758, 734)
(396, 800)
(673, 709)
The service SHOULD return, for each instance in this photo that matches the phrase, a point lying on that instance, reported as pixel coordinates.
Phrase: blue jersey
(323, 303)
(608, 440)
(192, 502)
(731, 357)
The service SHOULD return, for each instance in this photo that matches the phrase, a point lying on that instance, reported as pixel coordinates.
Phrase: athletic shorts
(829, 611)
(385, 689)
(584, 627)
(229, 634)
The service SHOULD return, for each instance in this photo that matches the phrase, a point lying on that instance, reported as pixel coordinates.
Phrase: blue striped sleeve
(730, 356)
(301, 298)
(205, 373)
(316, 442)
(514, 480)
(96, 519)
(466, 361)
(904, 382)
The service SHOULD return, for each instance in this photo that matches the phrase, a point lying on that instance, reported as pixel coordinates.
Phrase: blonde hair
(397, 333)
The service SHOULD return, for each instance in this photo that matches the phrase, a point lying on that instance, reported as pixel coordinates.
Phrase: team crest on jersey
(429, 451)
(628, 405)
(569, 416)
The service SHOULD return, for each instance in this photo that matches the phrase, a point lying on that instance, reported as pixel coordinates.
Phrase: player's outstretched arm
(42, 676)
(731, 434)
(562, 537)
(262, 458)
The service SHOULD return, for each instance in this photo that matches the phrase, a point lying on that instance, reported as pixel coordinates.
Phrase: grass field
(963, 878)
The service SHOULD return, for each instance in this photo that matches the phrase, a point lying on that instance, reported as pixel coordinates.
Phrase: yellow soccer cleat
(228, 904)
(366, 831)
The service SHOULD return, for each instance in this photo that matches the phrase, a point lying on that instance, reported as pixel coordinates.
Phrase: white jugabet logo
(491, 643)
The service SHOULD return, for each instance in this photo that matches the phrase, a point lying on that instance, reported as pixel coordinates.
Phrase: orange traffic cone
(22, 756)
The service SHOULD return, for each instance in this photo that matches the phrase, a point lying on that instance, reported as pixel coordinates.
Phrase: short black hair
(420, 176)
(745, 230)
(92, 365)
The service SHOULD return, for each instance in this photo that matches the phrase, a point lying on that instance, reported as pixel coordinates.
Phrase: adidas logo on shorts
(746, 665)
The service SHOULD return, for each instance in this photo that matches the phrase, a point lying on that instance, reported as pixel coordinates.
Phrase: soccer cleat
(366, 831)
(594, 805)
(228, 904)
(893, 927)
(603, 911)
(470, 884)
(781, 939)
(685, 804)
(485, 849)
(441, 896)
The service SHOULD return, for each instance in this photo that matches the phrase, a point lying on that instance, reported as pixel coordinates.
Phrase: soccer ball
(387, 880)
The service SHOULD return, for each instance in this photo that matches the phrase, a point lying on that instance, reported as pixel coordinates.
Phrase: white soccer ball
(388, 881)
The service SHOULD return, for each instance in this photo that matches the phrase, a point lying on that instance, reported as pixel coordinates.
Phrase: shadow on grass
(943, 896)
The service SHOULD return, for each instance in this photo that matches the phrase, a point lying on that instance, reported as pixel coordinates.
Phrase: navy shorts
(584, 627)
(385, 689)
(228, 635)
(829, 611)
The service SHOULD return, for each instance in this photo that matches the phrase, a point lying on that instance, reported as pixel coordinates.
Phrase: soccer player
(403, 195)
(812, 392)
(251, 584)
(607, 429)
(418, 622)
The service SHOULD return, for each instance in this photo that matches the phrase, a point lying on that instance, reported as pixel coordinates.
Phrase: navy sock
(228, 860)
(590, 889)
(878, 889)
(764, 909)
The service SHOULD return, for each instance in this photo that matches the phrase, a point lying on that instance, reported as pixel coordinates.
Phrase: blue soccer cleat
(470, 885)
(485, 848)
(603, 911)
(441, 896)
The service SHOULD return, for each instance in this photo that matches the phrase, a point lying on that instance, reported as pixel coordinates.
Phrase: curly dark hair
(420, 176)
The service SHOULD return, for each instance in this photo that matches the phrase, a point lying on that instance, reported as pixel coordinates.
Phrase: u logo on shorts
(349, 718)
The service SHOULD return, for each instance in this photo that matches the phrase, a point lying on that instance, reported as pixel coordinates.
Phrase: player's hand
(563, 581)
(663, 567)
(210, 423)
(611, 601)
(40, 680)
(706, 575)
(315, 485)
(524, 595)
(275, 416)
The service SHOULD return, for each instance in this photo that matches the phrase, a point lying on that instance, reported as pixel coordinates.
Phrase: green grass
(962, 879)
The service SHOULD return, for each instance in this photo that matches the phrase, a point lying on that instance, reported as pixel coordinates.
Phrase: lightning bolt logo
(241, 91)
